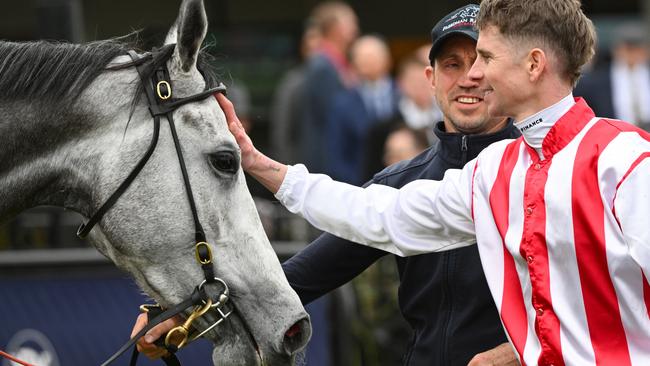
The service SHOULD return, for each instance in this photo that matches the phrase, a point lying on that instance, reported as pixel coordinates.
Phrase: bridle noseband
(161, 102)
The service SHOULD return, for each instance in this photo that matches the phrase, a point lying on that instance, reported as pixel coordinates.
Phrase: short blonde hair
(560, 25)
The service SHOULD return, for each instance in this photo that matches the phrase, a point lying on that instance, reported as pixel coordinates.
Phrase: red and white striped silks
(564, 240)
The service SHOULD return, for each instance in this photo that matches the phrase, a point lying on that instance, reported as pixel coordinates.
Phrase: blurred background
(66, 303)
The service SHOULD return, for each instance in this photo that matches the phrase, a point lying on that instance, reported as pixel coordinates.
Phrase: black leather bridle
(158, 91)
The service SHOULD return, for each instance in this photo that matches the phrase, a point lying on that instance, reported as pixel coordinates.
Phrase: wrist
(268, 172)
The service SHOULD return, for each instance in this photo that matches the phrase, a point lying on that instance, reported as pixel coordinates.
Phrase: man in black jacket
(444, 296)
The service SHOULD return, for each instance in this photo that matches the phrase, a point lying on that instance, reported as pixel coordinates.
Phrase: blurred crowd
(341, 111)
(348, 111)
(345, 109)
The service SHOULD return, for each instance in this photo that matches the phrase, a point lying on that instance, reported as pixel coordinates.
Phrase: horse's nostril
(295, 329)
(297, 336)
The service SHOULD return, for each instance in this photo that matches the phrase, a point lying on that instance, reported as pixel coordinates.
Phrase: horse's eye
(224, 161)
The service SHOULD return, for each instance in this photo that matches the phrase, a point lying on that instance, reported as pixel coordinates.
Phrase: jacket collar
(458, 148)
(566, 128)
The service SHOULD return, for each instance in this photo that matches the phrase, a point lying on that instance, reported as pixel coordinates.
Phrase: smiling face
(501, 69)
(460, 98)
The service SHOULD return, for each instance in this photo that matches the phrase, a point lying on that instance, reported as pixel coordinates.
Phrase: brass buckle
(159, 90)
(145, 308)
(223, 316)
(196, 252)
(178, 336)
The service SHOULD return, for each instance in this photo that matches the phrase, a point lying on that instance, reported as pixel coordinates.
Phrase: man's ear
(536, 63)
(188, 32)
(429, 73)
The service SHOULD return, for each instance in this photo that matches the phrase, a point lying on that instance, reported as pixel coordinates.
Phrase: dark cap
(460, 21)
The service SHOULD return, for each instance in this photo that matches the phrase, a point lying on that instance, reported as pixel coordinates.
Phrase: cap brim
(460, 32)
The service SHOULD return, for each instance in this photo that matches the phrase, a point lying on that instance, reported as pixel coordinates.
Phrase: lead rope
(18, 361)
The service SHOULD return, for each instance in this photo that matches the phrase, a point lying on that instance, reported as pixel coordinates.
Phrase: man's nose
(468, 81)
(476, 71)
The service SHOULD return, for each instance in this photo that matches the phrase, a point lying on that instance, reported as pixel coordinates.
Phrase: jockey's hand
(266, 170)
(249, 154)
(145, 344)
(502, 355)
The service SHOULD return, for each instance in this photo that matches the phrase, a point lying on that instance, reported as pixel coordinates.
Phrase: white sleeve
(423, 216)
(632, 207)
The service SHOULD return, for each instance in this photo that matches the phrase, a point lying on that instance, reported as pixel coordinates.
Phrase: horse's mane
(52, 71)
(60, 72)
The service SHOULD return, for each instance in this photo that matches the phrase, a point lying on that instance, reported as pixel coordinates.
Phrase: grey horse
(72, 129)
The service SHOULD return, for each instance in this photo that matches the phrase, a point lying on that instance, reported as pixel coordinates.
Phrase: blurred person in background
(356, 110)
(621, 89)
(328, 73)
(286, 109)
(422, 53)
(416, 107)
(403, 143)
(443, 296)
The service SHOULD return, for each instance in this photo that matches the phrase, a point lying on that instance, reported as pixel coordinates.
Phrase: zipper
(463, 148)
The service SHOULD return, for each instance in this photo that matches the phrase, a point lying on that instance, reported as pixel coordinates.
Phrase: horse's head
(150, 230)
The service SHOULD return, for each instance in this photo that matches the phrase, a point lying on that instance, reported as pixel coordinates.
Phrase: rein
(14, 359)
(161, 103)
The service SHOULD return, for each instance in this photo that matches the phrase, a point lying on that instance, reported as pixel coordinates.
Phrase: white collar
(535, 127)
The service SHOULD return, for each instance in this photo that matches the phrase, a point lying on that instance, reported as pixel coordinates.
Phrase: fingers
(475, 361)
(502, 355)
(229, 110)
(140, 323)
(162, 329)
(146, 344)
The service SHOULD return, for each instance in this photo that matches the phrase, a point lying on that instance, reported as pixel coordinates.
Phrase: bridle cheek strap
(161, 103)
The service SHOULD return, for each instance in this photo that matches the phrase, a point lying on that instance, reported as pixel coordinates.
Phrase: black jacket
(444, 296)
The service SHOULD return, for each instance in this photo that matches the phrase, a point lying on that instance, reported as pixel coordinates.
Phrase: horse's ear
(188, 33)
(172, 35)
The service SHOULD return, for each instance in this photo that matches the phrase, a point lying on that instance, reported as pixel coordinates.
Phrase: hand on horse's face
(249, 154)
(145, 344)
(266, 170)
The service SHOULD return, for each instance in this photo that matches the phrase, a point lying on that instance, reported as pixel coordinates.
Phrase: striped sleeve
(423, 216)
(632, 209)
